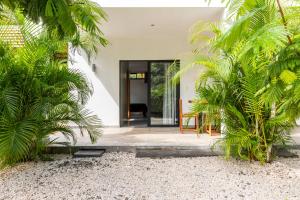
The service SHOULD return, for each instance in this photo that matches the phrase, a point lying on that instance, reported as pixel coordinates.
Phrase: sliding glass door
(124, 94)
(163, 94)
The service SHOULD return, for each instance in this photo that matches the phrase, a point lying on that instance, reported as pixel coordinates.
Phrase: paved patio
(296, 136)
(136, 137)
(132, 136)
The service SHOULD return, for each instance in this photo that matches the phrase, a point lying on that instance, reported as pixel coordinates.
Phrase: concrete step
(175, 152)
(86, 153)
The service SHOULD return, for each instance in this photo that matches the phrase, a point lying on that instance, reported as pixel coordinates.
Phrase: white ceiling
(167, 21)
(160, 3)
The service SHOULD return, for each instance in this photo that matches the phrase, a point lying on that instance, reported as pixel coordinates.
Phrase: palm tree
(251, 76)
(78, 21)
(39, 96)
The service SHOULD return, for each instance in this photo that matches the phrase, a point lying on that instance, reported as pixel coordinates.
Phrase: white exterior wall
(105, 100)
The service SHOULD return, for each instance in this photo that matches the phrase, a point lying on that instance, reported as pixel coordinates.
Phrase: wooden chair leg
(180, 125)
(197, 124)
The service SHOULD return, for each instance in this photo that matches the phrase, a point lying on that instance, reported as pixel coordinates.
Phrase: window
(132, 76)
(137, 75)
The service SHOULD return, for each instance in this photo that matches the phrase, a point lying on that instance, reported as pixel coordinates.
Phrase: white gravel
(121, 176)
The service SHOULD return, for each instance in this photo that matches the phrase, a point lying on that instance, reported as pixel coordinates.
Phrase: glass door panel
(124, 93)
(163, 94)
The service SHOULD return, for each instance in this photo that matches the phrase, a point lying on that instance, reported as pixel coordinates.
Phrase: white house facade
(129, 76)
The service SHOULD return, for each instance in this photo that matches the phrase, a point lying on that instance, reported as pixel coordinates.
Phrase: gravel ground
(121, 176)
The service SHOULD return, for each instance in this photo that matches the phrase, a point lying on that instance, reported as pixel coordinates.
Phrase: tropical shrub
(39, 94)
(251, 75)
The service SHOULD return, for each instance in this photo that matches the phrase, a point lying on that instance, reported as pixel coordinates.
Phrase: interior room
(138, 93)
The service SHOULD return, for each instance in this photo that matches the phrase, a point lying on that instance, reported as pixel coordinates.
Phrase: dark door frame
(149, 94)
(149, 91)
(121, 123)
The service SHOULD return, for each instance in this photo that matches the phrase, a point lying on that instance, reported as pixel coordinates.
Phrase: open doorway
(138, 93)
(147, 95)
(134, 86)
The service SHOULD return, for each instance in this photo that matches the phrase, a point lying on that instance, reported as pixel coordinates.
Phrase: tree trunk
(283, 19)
(256, 126)
(269, 153)
(270, 146)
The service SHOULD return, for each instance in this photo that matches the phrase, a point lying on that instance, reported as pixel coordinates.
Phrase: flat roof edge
(159, 3)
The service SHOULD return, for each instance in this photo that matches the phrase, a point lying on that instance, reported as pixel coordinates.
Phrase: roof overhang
(156, 22)
(159, 3)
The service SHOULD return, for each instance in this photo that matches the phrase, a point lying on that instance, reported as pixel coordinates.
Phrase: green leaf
(288, 77)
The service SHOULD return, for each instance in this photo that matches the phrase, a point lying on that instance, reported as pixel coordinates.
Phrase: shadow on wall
(104, 101)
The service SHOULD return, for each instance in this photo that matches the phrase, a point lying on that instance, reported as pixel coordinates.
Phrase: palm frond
(16, 139)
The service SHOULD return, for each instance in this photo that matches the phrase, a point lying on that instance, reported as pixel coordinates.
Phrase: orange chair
(208, 126)
(189, 116)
